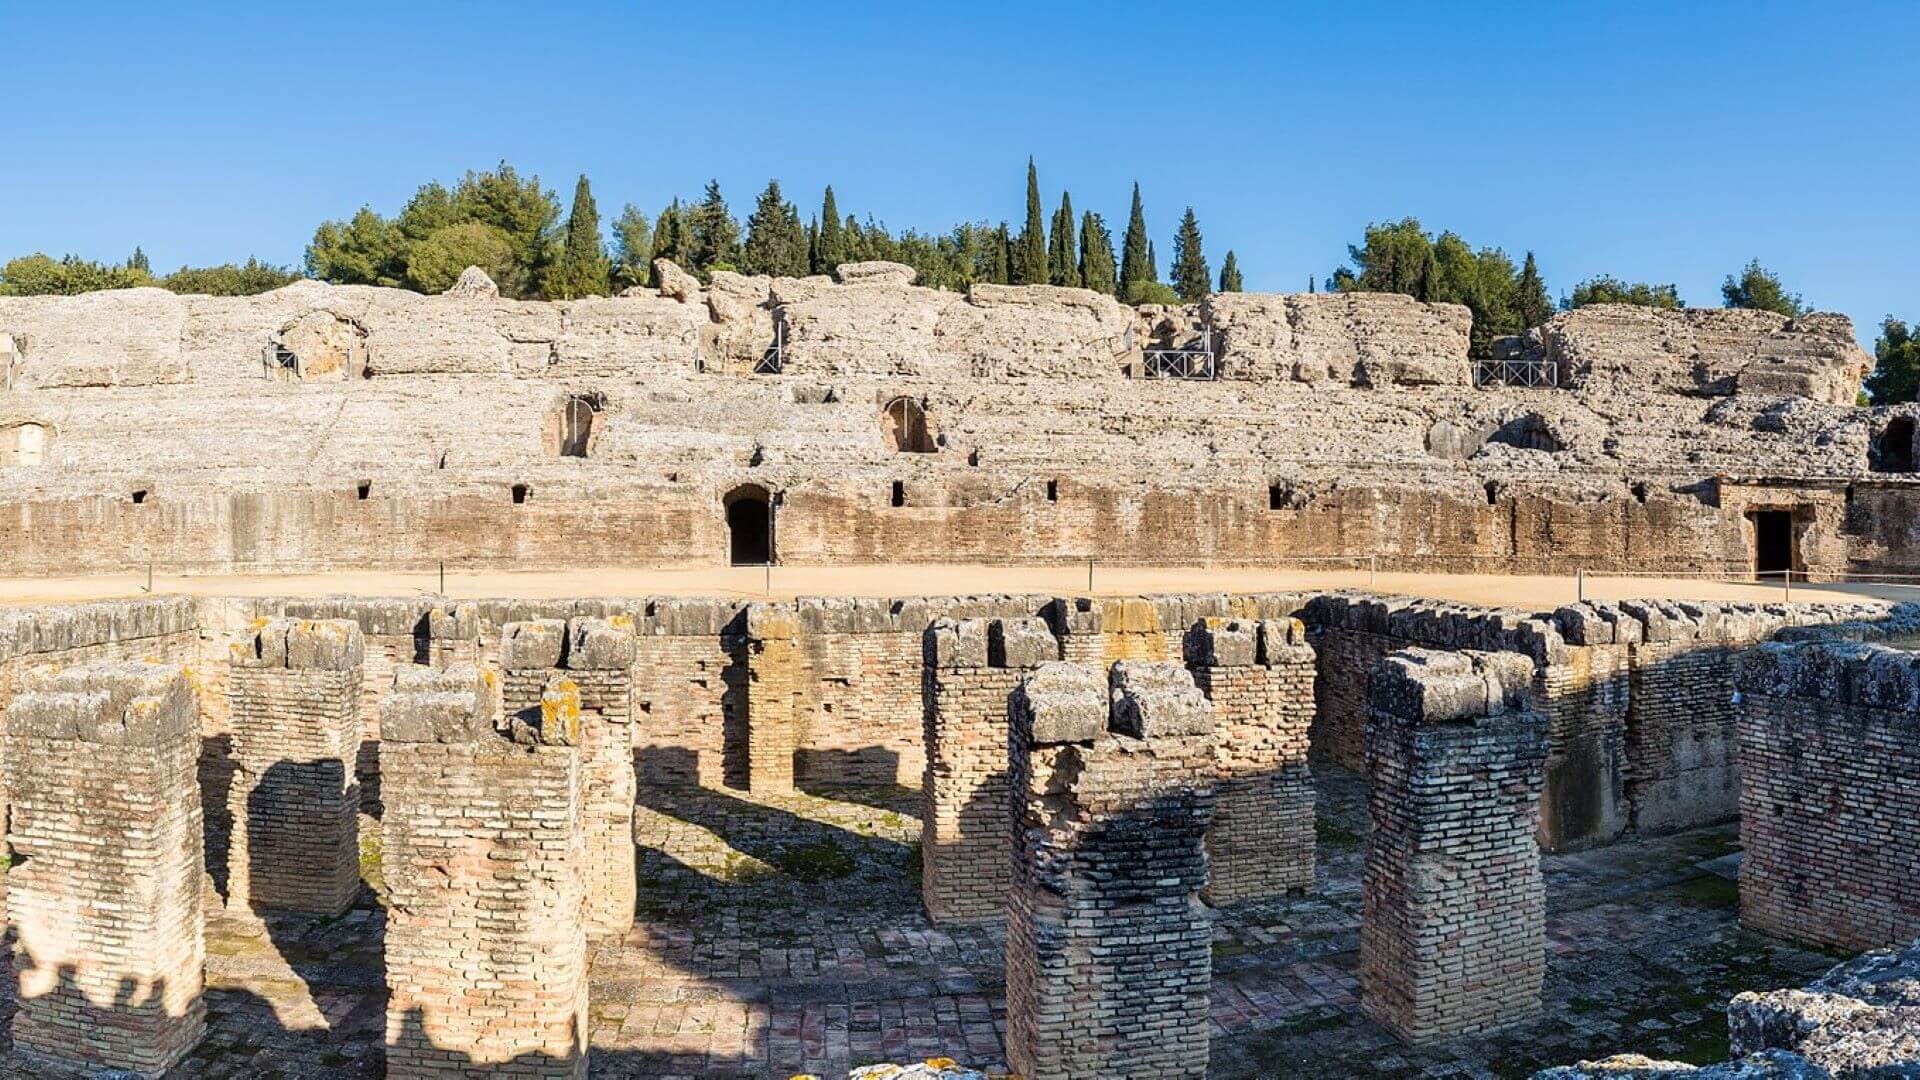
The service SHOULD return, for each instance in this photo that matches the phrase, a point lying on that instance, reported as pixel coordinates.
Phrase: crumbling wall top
(314, 644)
(1426, 686)
(123, 704)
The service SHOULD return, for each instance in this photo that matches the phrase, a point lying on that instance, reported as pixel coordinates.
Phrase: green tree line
(43, 275)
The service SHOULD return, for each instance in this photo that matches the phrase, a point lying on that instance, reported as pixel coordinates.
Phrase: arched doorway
(749, 525)
(906, 425)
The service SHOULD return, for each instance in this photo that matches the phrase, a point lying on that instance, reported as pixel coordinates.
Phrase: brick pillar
(970, 667)
(453, 636)
(1259, 677)
(1453, 933)
(483, 853)
(105, 898)
(294, 692)
(773, 659)
(1829, 808)
(596, 657)
(1109, 957)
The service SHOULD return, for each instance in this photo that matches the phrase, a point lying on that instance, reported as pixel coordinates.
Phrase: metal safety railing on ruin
(774, 360)
(1784, 578)
(1540, 374)
(1195, 364)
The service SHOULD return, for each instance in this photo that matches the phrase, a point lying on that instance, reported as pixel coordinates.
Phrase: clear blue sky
(1668, 142)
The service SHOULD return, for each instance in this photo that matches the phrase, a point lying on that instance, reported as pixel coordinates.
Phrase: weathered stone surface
(1454, 935)
(104, 895)
(474, 284)
(1152, 699)
(1062, 703)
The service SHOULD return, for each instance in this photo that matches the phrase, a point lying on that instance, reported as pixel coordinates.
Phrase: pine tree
(716, 235)
(138, 261)
(1760, 289)
(1191, 279)
(1136, 254)
(1230, 274)
(775, 246)
(832, 247)
(1096, 255)
(1896, 378)
(1063, 266)
(1531, 304)
(583, 268)
(632, 247)
(1030, 262)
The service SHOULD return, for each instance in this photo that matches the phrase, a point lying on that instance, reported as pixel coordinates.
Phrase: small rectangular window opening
(520, 493)
(139, 496)
(899, 493)
(364, 489)
(1053, 491)
(1276, 497)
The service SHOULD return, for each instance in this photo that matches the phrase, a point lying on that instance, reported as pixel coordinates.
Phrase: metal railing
(1195, 364)
(1524, 373)
(774, 360)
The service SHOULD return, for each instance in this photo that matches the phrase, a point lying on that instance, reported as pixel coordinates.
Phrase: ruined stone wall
(1829, 743)
(970, 668)
(163, 630)
(1259, 678)
(1109, 957)
(1453, 928)
(484, 856)
(590, 660)
(1409, 516)
(293, 799)
(1854, 1021)
(1635, 693)
(105, 895)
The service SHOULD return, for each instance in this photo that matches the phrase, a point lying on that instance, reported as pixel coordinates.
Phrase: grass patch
(816, 862)
(1329, 834)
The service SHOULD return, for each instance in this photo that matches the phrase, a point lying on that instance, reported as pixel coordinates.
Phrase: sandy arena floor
(782, 582)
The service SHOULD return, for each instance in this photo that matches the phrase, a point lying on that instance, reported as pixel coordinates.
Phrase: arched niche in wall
(571, 428)
(25, 445)
(317, 346)
(1895, 450)
(907, 428)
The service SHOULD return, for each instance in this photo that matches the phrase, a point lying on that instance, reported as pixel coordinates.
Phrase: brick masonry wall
(486, 955)
(106, 899)
(1259, 677)
(970, 668)
(594, 657)
(773, 690)
(1109, 957)
(1829, 744)
(1658, 762)
(1453, 930)
(293, 799)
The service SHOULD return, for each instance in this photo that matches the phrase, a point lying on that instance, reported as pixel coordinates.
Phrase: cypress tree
(1064, 267)
(813, 245)
(1096, 255)
(583, 268)
(1002, 254)
(832, 244)
(1190, 276)
(1136, 253)
(138, 260)
(1153, 264)
(775, 245)
(1230, 274)
(1030, 263)
(1531, 303)
(673, 238)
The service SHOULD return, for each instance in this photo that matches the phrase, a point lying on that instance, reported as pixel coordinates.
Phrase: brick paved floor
(784, 935)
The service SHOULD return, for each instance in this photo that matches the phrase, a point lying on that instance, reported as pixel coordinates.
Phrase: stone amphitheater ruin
(1318, 832)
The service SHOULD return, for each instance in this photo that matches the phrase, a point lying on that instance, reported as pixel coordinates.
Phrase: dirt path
(1522, 591)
